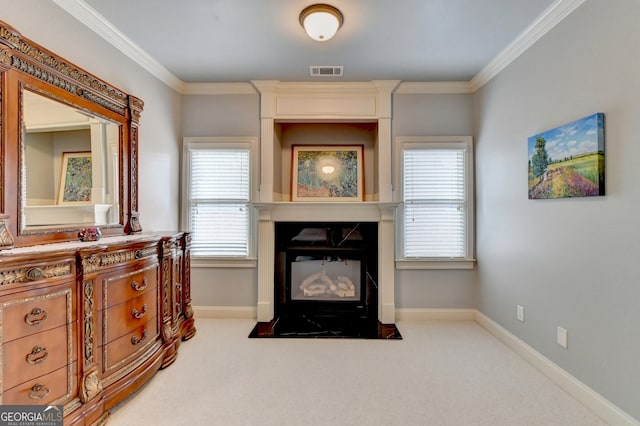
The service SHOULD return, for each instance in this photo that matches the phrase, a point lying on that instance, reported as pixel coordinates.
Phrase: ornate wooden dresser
(84, 324)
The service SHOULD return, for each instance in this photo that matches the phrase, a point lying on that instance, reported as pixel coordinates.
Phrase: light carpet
(441, 373)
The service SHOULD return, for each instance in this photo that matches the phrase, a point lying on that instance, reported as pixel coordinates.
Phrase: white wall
(569, 262)
(160, 131)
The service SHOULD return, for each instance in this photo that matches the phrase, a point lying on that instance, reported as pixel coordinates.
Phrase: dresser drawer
(129, 344)
(36, 314)
(56, 386)
(36, 355)
(122, 287)
(126, 317)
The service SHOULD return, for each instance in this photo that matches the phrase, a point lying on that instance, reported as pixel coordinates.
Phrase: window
(436, 220)
(217, 193)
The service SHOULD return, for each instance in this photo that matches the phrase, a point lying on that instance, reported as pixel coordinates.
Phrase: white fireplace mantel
(322, 102)
(284, 211)
(270, 213)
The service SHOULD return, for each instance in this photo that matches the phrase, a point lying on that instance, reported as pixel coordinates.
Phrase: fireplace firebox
(326, 270)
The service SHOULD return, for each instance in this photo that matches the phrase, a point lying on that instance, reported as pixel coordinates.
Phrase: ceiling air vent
(325, 71)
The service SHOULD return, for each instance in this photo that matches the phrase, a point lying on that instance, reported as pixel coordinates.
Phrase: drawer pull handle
(36, 316)
(39, 391)
(135, 340)
(137, 287)
(34, 274)
(138, 315)
(37, 355)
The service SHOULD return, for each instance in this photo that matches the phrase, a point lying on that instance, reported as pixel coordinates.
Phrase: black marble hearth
(302, 326)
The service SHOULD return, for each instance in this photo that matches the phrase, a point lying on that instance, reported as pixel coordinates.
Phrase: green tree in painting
(540, 159)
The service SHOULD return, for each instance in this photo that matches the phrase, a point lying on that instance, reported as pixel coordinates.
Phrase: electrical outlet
(520, 313)
(562, 337)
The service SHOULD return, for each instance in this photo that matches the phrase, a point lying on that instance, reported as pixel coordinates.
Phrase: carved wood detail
(167, 332)
(91, 386)
(95, 261)
(133, 172)
(5, 58)
(88, 321)
(165, 287)
(6, 240)
(29, 274)
(44, 65)
(188, 312)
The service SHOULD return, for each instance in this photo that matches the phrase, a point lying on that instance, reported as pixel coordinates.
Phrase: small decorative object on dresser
(89, 234)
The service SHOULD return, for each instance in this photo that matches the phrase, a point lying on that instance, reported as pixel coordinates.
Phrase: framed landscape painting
(327, 173)
(75, 178)
(568, 161)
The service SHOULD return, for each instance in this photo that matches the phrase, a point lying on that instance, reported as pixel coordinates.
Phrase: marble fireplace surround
(270, 213)
(353, 102)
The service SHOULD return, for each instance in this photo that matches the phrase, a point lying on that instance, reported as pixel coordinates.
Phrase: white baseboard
(238, 312)
(587, 396)
(435, 314)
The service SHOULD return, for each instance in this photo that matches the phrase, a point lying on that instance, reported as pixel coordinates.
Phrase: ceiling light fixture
(321, 21)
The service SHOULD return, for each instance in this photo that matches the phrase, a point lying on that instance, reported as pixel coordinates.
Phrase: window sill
(222, 262)
(435, 263)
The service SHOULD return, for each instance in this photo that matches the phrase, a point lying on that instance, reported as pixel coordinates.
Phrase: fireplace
(351, 113)
(325, 282)
(326, 270)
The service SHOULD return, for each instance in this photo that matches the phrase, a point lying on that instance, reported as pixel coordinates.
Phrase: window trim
(222, 142)
(435, 142)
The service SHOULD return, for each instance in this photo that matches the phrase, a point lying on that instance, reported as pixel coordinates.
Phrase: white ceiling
(206, 41)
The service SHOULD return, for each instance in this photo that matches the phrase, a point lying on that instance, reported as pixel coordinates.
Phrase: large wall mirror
(69, 148)
(70, 167)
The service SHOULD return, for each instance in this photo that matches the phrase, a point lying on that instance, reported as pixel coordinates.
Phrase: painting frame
(568, 161)
(327, 173)
(75, 178)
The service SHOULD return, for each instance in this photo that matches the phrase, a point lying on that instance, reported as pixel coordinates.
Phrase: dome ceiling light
(321, 21)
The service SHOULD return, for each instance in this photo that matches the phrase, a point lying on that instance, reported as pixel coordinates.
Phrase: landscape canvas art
(568, 161)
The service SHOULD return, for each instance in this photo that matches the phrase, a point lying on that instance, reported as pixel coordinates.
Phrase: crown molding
(551, 17)
(219, 89)
(97, 23)
(436, 87)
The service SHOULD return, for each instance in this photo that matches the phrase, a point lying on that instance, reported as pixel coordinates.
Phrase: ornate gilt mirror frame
(25, 63)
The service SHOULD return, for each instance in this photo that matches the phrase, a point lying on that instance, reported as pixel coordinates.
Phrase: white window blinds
(434, 203)
(219, 196)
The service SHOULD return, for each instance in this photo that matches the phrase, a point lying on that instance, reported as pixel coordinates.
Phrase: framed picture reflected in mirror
(75, 178)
